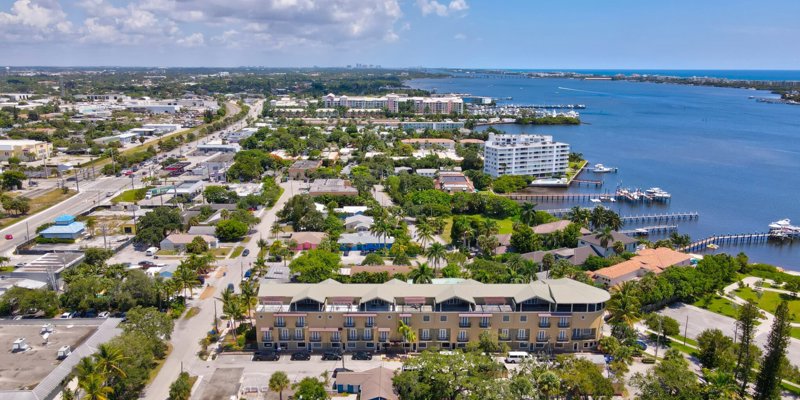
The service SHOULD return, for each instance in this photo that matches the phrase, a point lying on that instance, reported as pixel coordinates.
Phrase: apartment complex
(24, 149)
(534, 155)
(546, 315)
(395, 102)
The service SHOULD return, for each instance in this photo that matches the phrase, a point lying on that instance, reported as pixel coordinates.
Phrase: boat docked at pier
(602, 169)
(784, 229)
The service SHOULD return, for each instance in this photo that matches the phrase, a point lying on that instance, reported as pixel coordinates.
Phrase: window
(562, 335)
(523, 318)
(443, 318)
(443, 334)
(484, 322)
(348, 321)
(298, 334)
(315, 337)
(506, 318)
(367, 333)
(425, 334)
(267, 337)
(541, 336)
(426, 318)
(463, 322)
(462, 336)
(370, 321)
(544, 322)
(407, 320)
(563, 322)
(384, 336)
(351, 334)
(300, 322)
(336, 336)
(522, 334)
(280, 321)
(504, 334)
(284, 334)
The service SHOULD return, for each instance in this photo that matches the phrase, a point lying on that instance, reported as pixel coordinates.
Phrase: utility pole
(658, 337)
(77, 186)
(685, 330)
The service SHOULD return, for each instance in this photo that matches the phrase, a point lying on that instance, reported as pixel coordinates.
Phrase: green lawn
(796, 333)
(769, 301)
(681, 338)
(719, 305)
(130, 196)
(504, 226)
(237, 252)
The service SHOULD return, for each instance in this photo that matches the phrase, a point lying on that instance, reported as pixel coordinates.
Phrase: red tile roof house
(648, 260)
(306, 240)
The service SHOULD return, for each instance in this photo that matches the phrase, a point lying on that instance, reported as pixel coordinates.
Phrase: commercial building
(218, 146)
(333, 187)
(534, 155)
(433, 125)
(545, 315)
(395, 103)
(25, 150)
(65, 227)
(301, 168)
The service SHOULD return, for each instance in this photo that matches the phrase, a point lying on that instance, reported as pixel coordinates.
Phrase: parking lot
(254, 375)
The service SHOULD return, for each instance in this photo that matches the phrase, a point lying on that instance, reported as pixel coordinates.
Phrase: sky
(535, 34)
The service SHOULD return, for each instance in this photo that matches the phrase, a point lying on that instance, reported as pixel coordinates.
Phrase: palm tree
(109, 359)
(279, 382)
(424, 233)
(721, 385)
(579, 215)
(604, 236)
(91, 223)
(422, 274)
(260, 266)
(436, 254)
(275, 229)
(232, 307)
(186, 278)
(618, 247)
(487, 244)
(549, 384)
(613, 220)
(249, 295)
(86, 366)
(94, 387)
(490, 227)
(262, 244)
(624, 305)
(528, 213)
(408, 334)
(597, 218)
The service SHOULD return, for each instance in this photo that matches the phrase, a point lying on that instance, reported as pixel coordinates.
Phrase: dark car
(301, 356)
(230, 288)
(266, 356)
(362, 355)
(331, 356)
(246, 253)
(146, 264)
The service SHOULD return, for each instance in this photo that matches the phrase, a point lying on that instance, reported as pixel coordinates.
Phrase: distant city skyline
(514, 34)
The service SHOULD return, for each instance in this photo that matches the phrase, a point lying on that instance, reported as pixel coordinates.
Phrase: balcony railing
(463, 338)
(544, 324)
(562, 339)
(586, 336)
(299, 324)
(280, 324)
(316, 339)
(464, 324)
(504, 338)
(443, 338)
(563, 324)
(542, 339)
(351, 324)
(522, 337)
(369, 324)
(299, 337)
(485, 324)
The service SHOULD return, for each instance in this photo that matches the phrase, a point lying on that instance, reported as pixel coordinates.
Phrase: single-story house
(576, 256)
(453, 181)
(209, 230)
(358, 223)
(557, 226)
(65, 227)
(364, 241)
(503, 243)
(349, 211)
(306, 240)
(372, 384)
(178, 241)
(647, 260)
(608, 250)
(333, 187)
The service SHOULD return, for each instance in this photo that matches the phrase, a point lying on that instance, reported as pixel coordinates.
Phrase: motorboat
(784, 223)
(712, 246)
(602, 169)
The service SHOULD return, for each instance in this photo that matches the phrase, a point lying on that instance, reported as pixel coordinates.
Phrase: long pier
(739, 238)
(644, 231)
(588, 182)
(665, 217)
(562, 197)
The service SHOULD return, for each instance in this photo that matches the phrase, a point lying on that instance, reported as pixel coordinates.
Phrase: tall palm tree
(487, 244)
(528, 213)
(613, 220)
(94, 387)
(186, 277)
(232, 307)
(579, 215)
(249, 295)
(278, 382)
(109, 359)
(424, 233)
(85, 367)
(436, 254)
(624, 305)
(597, 218)
(490, 227)
(260, 266)
(605, 236)
(407, 333)
(422, 274)
(275, 229)
(262, 244)
(721, 385)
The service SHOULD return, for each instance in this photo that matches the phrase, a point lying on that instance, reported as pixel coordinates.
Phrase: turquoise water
(728, 157)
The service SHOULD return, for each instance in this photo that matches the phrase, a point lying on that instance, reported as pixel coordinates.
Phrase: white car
(104, 314)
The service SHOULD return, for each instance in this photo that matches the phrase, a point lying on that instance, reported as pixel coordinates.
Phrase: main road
(188, 332)
(94, 192)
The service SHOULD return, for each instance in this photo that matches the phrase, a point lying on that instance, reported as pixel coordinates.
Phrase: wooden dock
(739, 238)
(543, 198)
(588, 182)
(647, 230)
(664, 217)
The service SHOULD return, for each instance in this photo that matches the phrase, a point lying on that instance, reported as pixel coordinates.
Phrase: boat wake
(581, 90)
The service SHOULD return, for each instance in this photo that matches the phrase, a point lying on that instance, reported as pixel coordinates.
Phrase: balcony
(284, 338)
(466, 324)
(442, 338)
(463, 338)
(315, 339)
(522, 337)
(369, 324)
(585, 336)
(300, 324)
(542, 339)
(280, 324)
(563, 324)
(485, 324)
(504, 338)
(562, 339)
(299, 337)
(544, 324)
(350, 324)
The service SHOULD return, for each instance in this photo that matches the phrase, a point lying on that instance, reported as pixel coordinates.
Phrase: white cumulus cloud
(441, 9)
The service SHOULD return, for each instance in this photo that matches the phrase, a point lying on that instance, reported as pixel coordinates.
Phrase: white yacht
(601, 169)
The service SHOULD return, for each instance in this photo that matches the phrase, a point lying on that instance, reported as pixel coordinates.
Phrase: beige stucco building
(25, 150)
(547, 315)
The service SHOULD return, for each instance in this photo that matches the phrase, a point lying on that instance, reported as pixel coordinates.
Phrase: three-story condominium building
(534, 155)
(395, 103)
(545, 315)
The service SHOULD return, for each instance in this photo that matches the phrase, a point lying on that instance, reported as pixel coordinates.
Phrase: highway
(92, 193)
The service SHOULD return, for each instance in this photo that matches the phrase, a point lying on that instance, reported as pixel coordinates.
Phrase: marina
(647, 230)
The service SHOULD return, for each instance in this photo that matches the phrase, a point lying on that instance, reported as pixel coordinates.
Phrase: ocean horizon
(735, 74)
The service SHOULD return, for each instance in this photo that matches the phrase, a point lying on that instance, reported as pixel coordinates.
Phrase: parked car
(246, 253)
(230, 288)
(146, 264)
(104, 314)
(331, 356)
(266, 355)
(9, 236)
(301, 356)
(362, 355)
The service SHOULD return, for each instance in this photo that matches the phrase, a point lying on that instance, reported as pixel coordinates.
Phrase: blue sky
(674, 34)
